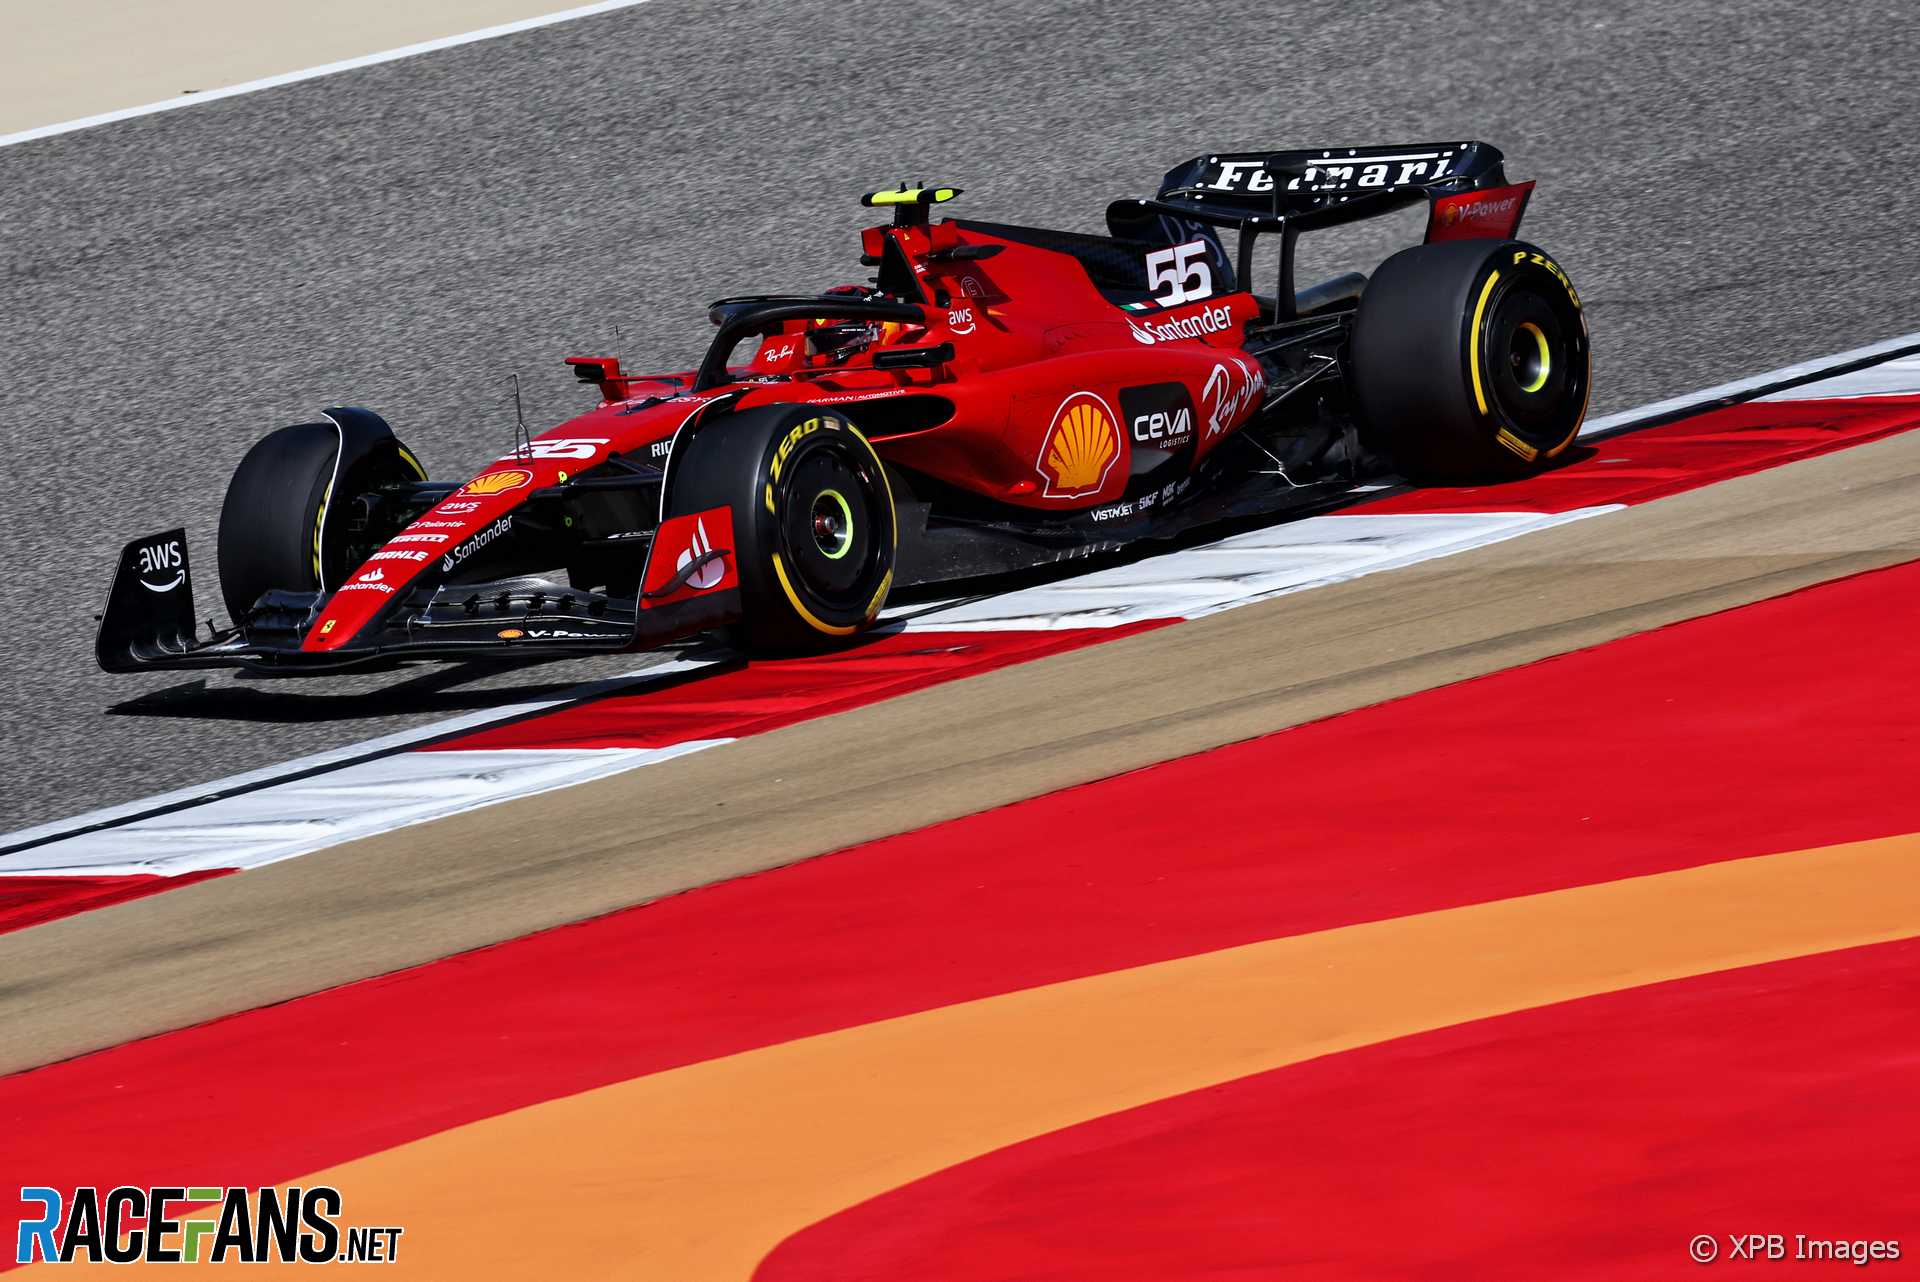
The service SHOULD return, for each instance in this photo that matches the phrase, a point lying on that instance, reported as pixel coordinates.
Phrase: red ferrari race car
(996, 398)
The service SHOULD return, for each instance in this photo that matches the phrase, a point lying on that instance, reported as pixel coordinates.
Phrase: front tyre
(813, 516)
(286, 520)
(1470, 360)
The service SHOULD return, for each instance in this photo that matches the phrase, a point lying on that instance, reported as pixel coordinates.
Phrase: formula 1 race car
(997, 398)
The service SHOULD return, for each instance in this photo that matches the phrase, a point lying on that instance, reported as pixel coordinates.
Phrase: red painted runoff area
(28, 901)
(1714, 739)
(770, 693)
(1640, 466)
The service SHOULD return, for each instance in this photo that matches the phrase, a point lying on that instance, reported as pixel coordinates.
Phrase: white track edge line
(1472, 543)
(613, 761)
(1749, 387)
(315, 73)
(400, 740)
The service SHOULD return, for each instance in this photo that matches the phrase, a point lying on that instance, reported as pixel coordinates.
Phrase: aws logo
(165, 562)
(1080, 447)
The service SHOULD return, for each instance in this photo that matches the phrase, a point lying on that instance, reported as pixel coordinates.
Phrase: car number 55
(1180, 273)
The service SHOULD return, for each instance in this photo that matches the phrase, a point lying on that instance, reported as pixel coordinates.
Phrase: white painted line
(1898, 377)
(258, 828)
(1291, 557)
(1749, 388)
(314, 73)
(385, 745)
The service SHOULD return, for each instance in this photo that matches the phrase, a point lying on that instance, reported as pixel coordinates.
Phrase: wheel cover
(832, 555)
(1530, 351)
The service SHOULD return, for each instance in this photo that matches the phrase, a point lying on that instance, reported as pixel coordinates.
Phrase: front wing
(149, 625)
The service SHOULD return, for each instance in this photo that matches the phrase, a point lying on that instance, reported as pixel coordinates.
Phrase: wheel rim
(1532, 358)
(832, 524)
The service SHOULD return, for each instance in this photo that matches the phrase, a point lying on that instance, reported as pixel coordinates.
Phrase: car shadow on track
(433, 692)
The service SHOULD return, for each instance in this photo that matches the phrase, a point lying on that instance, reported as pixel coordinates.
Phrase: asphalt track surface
(1726, 182)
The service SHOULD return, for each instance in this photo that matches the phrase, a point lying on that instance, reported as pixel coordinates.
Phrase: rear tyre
(281, 526)
(813, 518)
(1470, 360)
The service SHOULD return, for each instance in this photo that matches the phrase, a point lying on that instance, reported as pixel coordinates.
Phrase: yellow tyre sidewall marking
(1517, 445)
(1587, 393)
(319, 526)
(813, 620)
(1473, 341)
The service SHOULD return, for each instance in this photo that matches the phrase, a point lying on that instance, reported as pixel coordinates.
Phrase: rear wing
(1289, 192)
(1311, 185)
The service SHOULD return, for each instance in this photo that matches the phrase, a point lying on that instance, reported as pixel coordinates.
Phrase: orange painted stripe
(698, 1172)
(1585, 1141)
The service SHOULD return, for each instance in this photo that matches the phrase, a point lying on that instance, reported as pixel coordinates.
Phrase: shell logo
(509, 634)
(1080, 447)
(498, 482)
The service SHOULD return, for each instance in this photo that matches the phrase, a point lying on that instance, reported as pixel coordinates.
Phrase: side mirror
(603, 372)
(914, 357)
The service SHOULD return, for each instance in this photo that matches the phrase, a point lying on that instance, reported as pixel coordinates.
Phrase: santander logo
(1208, 320)
(708, 575)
